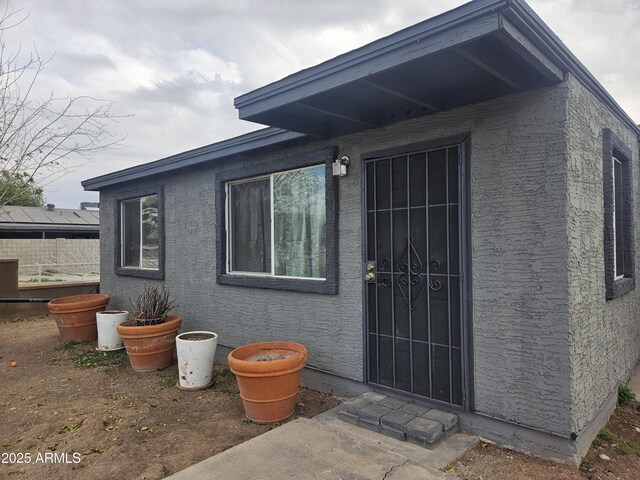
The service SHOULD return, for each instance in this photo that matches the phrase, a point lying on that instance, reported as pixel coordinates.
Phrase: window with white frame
(619, 220)
(276, 224)
(139, 233)
(618, 217)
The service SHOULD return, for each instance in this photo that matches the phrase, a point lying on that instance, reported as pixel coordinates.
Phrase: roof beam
(350, 116)
(430, 105)
(487, 60)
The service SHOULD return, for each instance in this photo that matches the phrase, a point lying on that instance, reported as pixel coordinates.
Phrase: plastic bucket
(108, 338)
(196, 352)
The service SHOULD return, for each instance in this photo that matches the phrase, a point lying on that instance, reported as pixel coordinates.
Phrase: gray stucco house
(479, 253)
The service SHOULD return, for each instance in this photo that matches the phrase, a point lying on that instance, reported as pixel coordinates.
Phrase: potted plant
(150, 336)
(196, 352)
(108, 338)
(76, 315)
(268, 375)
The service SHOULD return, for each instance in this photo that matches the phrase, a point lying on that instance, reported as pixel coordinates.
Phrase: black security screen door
(413, 273)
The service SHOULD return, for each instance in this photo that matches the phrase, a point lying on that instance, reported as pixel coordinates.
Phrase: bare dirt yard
(67, 411)
(618, 443)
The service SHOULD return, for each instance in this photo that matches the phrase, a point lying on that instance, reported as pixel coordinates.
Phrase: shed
(475, 250)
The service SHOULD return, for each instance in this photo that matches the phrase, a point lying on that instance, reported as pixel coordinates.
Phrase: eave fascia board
(48, 227)
(472, 20)
(216, 151)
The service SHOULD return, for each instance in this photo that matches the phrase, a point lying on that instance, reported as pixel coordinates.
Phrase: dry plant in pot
(150, 336)
(152, 306)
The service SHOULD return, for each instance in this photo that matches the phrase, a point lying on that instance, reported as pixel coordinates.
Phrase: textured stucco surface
(330, 325)
(520, 309)
(519, 263)
(604, 335)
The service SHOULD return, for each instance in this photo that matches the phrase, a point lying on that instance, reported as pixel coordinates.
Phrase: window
(618, 218)
(619, 247)
(277, 224)
(139, 234)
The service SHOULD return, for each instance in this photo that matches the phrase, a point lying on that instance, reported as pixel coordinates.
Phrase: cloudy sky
(175, 66)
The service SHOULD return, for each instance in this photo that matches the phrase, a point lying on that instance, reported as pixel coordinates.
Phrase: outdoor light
(340, 166)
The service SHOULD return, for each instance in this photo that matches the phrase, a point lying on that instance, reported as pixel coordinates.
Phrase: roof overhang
(47, 227)
(482, 50)
(259, 140)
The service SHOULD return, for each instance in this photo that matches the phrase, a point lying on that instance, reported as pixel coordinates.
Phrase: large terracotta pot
(268, 375)
(76, 315)
(150, 347)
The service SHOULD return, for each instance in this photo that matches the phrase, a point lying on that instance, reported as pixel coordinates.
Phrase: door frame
(466, 300)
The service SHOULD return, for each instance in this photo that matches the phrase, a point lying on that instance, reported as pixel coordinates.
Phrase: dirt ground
(619, 441)
(65, 399)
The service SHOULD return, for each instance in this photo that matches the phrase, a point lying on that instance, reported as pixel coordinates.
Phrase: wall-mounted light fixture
(340, 166)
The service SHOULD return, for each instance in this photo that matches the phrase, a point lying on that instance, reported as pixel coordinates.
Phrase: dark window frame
(615, 148)
(132, 271)
(326, 286)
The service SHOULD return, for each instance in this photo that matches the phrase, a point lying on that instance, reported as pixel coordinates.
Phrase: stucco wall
(520, 312)
(519, 262)
(330, 325)
(604, 335)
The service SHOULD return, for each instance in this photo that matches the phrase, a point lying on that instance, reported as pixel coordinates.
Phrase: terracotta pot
(76, 315)
(150, 347)
(268, 375)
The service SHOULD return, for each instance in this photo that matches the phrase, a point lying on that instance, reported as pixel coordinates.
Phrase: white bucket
(108, 338)
(196, 351)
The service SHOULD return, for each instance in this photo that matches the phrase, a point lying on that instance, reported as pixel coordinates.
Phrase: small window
(140, 233)
(277, 225)
(618, 217)
(619, 246)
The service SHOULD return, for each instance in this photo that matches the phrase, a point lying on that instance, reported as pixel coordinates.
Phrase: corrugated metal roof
(42, 218)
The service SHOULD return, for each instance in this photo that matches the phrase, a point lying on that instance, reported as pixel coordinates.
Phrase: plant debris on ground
(102, 360)
(614, 454)
(67, 398)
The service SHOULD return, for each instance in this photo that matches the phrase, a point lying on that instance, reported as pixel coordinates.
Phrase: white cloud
(178, 65)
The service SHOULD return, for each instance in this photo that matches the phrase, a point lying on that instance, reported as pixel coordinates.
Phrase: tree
(38, 136)
(21, 190)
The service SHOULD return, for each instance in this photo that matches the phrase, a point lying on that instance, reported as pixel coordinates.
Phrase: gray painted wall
(519, 261)
(519, 248)
(604, 336)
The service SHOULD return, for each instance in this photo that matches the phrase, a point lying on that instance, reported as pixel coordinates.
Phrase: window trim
(614, 222)
(614, 150)
(328, 285)
(122, 203)
(121, 198)
(228, 232)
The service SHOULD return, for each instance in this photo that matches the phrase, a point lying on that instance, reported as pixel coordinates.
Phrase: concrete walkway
(325, 447)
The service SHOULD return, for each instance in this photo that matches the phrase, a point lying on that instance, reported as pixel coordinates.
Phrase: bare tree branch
(38, 136)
